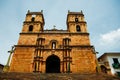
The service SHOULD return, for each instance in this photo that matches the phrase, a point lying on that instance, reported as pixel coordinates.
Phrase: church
(53, 50)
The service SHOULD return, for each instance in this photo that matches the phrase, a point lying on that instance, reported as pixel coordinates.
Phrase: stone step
(55, 76)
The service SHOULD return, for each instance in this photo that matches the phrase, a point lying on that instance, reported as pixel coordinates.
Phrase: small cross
(12, 49)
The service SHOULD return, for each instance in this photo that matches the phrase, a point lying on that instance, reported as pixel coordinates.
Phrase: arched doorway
(53, 64)
(103, 69)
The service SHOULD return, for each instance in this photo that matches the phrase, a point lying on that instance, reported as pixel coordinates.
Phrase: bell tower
(75, 22)
(24, 50)
(34, 22)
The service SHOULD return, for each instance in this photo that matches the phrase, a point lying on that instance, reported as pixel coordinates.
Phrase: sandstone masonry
(54, 51)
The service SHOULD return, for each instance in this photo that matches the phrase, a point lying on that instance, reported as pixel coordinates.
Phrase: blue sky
(102, 16)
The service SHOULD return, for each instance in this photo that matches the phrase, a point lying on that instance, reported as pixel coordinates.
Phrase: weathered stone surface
(38, 76)
(72, 46)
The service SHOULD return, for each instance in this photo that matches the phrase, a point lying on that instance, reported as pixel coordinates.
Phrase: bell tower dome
(75, 22)
(34, 22)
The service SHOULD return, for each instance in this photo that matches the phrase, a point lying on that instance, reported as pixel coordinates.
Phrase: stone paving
(55, 76)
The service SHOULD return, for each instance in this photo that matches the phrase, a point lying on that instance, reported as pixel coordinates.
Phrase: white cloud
(112, 38)
(108, 42)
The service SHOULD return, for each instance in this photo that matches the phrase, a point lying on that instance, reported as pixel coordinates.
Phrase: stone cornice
(69, 33)
(28, 22)
(81, 46)
(77, 22)
(70, 46)
(75, 13)
(34, 13)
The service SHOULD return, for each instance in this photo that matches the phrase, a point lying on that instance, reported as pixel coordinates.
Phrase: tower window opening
(53, 45)
(76, 19)
(31, 28)
(33, 19)
(78, 28)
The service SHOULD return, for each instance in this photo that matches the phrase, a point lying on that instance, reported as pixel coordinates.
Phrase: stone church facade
(54, 51)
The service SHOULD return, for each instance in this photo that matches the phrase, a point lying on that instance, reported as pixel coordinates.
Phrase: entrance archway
(53, 64)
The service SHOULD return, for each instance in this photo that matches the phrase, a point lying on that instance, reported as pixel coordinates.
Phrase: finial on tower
(81, 12)
(54, 26)
(41, 11)
(28, 11)
(68, 11)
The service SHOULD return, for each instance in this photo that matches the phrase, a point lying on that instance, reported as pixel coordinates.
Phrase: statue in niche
(53, 45)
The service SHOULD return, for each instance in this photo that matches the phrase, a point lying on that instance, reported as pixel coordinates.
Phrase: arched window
(53, 45)
(76, 19)
(31, 28)
(32, 19)
(78, 28)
